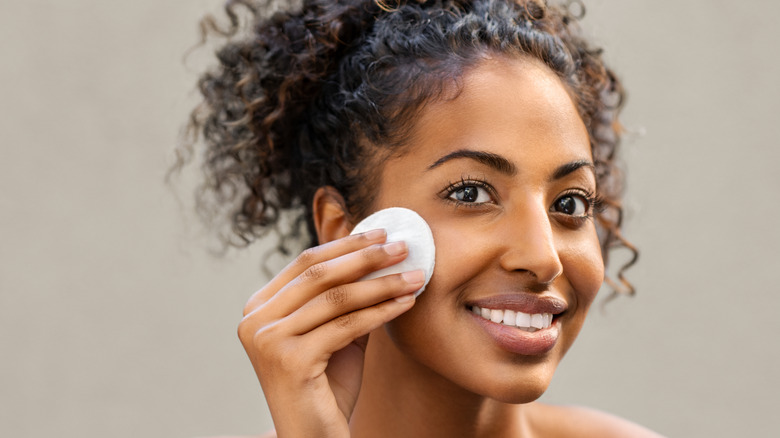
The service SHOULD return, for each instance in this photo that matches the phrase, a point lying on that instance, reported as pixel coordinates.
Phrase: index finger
(310, 257)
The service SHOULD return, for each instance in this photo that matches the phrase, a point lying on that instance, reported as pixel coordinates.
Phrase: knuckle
(253, 325)
(265, 339)
(306, 257)
(244, 331)
(337, 296)
(247, 330)
(273, 354)
(371, 255)
(315, 272)
(345, 321)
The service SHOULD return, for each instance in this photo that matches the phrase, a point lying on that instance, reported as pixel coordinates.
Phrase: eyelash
(595, 203)
(453, 187)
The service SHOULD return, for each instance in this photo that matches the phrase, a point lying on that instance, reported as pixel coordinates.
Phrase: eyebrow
(505, 166)
(495, 161)
(569, 168)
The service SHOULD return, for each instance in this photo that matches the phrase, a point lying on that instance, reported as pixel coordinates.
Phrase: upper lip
(522, 302)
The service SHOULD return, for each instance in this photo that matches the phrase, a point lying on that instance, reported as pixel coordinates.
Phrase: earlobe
(330, 216)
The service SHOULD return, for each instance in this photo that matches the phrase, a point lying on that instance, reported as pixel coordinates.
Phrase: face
(503, 175)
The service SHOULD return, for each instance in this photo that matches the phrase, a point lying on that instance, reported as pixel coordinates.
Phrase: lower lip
(519, 341)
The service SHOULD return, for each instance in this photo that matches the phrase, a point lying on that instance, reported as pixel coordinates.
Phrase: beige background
(116, 321)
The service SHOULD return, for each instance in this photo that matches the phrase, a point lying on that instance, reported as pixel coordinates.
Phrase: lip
(515, 340)
(525, 303)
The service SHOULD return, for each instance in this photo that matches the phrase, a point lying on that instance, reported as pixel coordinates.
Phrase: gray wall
(116, 321)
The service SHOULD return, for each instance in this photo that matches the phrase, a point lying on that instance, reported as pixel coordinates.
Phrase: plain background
(116, 320)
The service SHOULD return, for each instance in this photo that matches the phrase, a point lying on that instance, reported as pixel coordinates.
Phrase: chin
(526, 386)
(519, 399)
(526, 394)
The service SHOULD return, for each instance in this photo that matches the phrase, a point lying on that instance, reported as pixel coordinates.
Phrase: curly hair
(317, 94)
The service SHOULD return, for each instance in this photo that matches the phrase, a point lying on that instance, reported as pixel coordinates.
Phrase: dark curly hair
(318, 94)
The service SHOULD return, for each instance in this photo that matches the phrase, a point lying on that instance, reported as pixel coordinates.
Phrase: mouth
(520, 323)
(529, 322)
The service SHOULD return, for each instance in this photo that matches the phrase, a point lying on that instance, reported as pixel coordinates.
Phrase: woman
(494, 121)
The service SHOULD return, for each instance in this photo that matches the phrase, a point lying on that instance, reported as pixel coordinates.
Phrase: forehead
(514, 106)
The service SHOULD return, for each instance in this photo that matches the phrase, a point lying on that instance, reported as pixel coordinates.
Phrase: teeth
(510, 316)
(525, 321)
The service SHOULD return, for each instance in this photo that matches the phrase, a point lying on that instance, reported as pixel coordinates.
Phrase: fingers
(342, 300)
(329, 274)
(332, 273)
(311, 257)
(342, 330)
(327, 323)
(298, 355)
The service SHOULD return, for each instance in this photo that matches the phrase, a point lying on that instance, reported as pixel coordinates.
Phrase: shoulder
(269, 434)
(568, 421)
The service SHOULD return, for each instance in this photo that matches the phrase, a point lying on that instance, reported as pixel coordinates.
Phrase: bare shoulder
(575, 421)
(269, 434)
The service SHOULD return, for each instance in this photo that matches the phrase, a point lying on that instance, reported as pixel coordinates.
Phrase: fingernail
(375, 234)
(405, 298)
(414, 277)
(395, 248)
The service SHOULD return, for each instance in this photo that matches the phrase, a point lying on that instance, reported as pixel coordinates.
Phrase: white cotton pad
(402, 224)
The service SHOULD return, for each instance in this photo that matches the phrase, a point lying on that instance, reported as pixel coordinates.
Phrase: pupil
(470, 194)
(567, 205)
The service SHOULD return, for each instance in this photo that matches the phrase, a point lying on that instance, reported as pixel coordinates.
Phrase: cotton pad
(402, 224)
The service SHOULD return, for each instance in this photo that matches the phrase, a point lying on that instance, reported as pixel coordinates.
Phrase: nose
(529, 245)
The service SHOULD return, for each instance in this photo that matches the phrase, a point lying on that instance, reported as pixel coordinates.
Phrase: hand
(306, 331)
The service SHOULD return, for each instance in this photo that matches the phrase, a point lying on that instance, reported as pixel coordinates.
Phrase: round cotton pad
(402, 224)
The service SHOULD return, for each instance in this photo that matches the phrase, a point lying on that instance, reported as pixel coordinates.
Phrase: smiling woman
(495, 122)
(517, 150)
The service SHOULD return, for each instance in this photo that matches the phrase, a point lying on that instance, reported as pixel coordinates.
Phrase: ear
(330, 215)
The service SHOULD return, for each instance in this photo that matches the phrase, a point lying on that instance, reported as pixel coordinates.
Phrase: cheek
(455, 251)
(463, 252)
(584, 268)
(460, 257)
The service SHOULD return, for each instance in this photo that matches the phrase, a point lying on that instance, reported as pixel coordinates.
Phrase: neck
(402, 397)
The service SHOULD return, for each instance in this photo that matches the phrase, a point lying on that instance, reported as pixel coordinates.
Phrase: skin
(511, 138)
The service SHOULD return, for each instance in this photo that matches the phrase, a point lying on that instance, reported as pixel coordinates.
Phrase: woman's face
(503, 175)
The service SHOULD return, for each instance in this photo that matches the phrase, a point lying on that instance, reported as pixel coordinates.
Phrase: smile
(529, 322)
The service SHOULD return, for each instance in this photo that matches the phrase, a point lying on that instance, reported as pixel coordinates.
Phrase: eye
(572, 205)
(471, 193)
